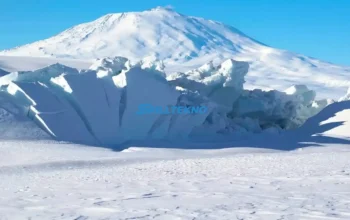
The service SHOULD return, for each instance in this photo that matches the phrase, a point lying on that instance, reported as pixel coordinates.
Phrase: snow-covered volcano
(184, 43)
(161, 32)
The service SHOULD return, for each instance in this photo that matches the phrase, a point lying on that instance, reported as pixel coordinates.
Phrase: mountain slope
(186, 42)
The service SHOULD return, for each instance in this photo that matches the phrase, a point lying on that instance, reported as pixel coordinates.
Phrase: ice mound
(285, 110)
(223, 84)
(99, 106)
(151, 62)
(110, 66)
(228, 74)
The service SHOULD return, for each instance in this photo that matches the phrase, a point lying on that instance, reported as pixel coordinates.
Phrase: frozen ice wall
(99, 106)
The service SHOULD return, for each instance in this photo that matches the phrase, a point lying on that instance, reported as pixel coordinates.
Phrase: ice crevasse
(99, 106)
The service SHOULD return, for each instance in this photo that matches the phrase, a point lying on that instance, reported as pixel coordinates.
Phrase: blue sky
(317, 28)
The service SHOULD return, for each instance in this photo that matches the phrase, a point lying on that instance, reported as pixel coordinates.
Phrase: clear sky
(317, 28)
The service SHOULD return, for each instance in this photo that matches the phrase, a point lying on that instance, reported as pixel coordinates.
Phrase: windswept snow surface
(184, 43)
(99, 106)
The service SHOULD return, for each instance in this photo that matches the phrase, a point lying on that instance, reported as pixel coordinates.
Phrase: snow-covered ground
(60, 181)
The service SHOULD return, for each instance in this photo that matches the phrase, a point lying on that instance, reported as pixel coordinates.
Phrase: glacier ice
(145, 87)
(99, 106)
(223, 84)
(110, 66)
(90, 97)
(49, 111)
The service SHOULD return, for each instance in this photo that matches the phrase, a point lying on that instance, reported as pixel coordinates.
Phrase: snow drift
(99, 106)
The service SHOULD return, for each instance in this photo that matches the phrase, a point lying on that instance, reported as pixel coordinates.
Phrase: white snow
(43, 180)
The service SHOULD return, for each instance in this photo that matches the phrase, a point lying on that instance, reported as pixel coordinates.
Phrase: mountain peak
(163, 8)
(159, 32)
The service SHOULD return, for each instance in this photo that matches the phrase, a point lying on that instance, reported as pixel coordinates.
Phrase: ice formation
(346, 97)
(223, 84)
(99, 106)
(110, 66)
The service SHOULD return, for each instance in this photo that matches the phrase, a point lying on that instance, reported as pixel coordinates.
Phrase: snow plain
(60, 181)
